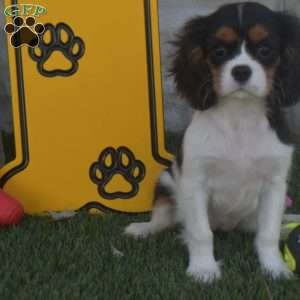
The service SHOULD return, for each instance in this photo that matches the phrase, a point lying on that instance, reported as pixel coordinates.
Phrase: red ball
(11, 211)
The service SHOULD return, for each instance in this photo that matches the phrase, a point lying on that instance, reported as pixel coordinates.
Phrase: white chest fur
(236, 152)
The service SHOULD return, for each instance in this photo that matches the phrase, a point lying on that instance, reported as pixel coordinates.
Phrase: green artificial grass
(73, 259)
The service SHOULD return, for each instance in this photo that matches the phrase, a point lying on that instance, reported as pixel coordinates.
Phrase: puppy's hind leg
(163, 213)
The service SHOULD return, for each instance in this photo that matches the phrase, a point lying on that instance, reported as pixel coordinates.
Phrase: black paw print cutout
(24, 32)
(122, 162)
(72, 48)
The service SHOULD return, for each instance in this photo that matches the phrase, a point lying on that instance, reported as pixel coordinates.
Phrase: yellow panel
(105, 104)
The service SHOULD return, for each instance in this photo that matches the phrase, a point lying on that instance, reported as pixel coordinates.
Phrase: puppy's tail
(164, 191)
(163, 215)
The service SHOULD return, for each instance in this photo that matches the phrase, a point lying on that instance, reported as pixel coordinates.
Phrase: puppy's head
(240, 49)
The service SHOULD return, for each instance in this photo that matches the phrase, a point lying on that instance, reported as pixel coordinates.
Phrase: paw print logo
(24, 32)
(114, 162)
(72, 48)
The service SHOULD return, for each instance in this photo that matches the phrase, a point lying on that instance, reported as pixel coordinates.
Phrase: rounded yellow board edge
(155, 82)
(21, 159)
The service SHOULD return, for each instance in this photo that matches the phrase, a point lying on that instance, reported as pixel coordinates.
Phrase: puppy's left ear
(288, 75)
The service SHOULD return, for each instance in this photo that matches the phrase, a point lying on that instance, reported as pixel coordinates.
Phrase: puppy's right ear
(289, 70)
(190, 69)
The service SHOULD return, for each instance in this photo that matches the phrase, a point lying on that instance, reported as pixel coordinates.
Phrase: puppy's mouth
(243, 91)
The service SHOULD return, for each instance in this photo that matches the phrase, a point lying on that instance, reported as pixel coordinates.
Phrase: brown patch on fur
(196, 55)
(257, 33)
(227, 35)
(215, 77)
(270, 74)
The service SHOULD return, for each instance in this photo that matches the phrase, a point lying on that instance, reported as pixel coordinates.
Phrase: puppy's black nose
(241, 73)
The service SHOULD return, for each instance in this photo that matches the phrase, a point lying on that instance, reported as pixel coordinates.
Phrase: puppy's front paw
(206, 273)
(275, 267)
(138, 230)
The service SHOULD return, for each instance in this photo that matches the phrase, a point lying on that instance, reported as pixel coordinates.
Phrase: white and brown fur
(232, 167)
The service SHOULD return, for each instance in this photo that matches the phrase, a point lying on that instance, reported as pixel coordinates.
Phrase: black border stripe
(105, 209)
(151, 84)
(23, 121)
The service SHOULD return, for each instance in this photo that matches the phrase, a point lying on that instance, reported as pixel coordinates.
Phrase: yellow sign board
(87, 105)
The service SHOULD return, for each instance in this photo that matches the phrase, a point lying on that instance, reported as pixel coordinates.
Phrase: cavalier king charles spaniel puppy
(239, 68)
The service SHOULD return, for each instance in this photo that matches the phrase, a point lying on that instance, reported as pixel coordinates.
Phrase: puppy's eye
(264, 52)
(220, 52)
